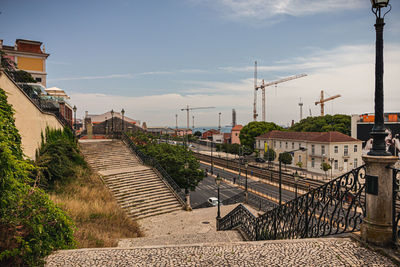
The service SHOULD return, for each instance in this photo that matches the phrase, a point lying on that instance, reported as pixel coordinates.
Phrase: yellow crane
(187, 113)
(322, 101)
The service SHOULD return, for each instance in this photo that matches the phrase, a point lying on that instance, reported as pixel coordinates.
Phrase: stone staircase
(136, 187)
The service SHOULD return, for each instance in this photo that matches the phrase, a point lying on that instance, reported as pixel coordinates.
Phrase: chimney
(292, 123)
(86, 114)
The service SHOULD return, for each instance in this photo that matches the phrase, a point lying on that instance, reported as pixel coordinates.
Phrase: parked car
(260, 160)
(213, 201)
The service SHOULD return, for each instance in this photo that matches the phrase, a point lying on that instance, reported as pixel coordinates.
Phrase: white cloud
(346, 70)
(266, 9)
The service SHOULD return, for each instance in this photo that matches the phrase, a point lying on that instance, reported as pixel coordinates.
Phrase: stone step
(145, 196)
(153, 209)
(148, 202)
(141, 215)
(139, 190)
(132, 184)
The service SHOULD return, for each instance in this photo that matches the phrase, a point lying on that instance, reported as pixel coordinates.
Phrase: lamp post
(112, 121)
(74, 108)
(218, 182)
(246, 165)
(123, 113)
(378, 131)
(296, 179)
(212, 163)
(280, 171)
(187, 193)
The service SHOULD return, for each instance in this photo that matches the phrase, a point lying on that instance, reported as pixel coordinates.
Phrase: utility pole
(255, 93)
(176, 123)
(193, 121)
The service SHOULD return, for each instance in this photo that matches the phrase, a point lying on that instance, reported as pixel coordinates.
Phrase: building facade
(340, 151)
(29, 56)
(235, 134)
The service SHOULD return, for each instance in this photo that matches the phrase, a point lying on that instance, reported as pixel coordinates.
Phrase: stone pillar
(89, 127)
(376, 227)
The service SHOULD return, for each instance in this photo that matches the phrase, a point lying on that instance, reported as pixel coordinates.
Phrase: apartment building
(341, 151)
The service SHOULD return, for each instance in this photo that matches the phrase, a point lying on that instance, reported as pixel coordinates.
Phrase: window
(312, 162)
(336, 165)
(312, 149)
(336, 149)
(299, 145)
(355, 148)
(280, 144)
(258, 143)
(323, 150)
(286, 145)
(236, 134)
(299, 158)
(38, 79)
(355, 163)
(274, 143)
(346, 150)
(292, 145)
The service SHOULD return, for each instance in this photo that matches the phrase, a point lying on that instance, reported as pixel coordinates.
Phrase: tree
(270, 155)
(326, 167)
(172, 159)
(10, 67)
(327, 123)
(285, 158)
(254, 129)
(300, 164)
(197, 133)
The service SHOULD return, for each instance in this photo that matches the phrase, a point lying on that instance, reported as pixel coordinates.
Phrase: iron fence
(333, 208)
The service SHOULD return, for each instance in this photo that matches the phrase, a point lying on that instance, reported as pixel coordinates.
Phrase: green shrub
(31, 226)
(58, 157)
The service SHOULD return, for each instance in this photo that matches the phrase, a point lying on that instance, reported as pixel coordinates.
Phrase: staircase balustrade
(396, 207)
(333, 208)
(146, 159)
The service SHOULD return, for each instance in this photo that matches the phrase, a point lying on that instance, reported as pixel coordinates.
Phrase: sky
(154, 57)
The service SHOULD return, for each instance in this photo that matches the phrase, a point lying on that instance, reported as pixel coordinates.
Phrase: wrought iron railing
(146, 159)
(333, 208)
(396, 208)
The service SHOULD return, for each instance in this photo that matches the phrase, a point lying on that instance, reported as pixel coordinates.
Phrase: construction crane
(322, 101)
(187, 112)
(262, 87)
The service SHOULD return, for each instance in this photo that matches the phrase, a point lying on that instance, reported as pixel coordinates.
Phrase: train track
(266, 174)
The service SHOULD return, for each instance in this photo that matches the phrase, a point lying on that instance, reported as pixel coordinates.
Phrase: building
(227, 138)
(107, 122)
(29, 56)
(361, 127)
(183, 132)
(161, 130)
(341, 151)
(208, 135)
(235, 134)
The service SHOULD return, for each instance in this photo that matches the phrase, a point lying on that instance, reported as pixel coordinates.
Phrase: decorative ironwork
(152, 162)
(333, 208)
(396, 207)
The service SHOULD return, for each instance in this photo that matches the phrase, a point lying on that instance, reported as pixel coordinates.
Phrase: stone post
(89, 127)
(376, 227)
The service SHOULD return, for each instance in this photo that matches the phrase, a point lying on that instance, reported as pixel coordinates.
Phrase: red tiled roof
(237, 127)
(227, 135)
(324, 137)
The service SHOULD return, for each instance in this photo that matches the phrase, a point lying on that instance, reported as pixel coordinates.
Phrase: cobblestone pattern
(311, 252)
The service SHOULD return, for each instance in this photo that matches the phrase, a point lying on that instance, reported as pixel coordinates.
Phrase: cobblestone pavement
(306, 252)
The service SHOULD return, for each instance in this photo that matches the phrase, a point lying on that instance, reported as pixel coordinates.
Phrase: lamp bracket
(377, 11)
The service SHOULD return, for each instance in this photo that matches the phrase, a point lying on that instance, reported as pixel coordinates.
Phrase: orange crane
(187, 113)
(262, 87)
(322, 101)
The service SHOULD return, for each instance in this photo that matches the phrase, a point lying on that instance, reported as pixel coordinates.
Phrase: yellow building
(29, 56)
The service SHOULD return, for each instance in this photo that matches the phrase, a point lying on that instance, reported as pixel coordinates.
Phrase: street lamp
(280, 171)
(112, 121)
(187, 193)
(246, 165)
(74, 108)
(123, 113)
(212, 163)
(218, 182)
(296, 179)
(378, 131)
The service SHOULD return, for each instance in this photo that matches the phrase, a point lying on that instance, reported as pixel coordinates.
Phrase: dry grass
(100, 221)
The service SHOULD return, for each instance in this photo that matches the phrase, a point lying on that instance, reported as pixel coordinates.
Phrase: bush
(58, 157)
(31, 226)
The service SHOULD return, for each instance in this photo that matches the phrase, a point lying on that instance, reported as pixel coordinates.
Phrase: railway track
(266, 174)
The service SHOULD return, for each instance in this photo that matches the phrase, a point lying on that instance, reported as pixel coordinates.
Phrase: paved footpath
(306, 252)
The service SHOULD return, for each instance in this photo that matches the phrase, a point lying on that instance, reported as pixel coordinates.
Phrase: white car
(213, 201)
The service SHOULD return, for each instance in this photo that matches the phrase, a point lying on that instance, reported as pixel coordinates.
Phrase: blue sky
(154, 57)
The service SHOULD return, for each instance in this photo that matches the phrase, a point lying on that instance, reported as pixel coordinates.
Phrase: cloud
(111, 76)
(267, 9)
(345, 70)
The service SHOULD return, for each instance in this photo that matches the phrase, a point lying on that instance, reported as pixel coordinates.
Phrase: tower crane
(262, 87)
(322, 101)
(187, 112)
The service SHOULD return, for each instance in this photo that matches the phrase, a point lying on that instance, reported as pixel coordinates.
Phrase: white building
(341, 151)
